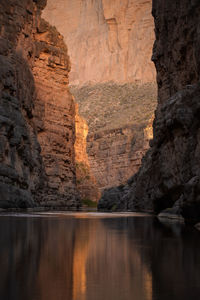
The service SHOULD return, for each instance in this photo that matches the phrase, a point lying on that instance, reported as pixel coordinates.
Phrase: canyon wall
(107, 40)
(37, 164)
(116, 154)
(86, 182)
(118, 117)
(169, 178)
(110, 46)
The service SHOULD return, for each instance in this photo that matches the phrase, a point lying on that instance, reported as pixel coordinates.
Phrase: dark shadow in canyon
(22, 171)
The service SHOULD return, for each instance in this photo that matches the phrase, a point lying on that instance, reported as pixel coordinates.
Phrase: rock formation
(110, 45)
(117, 116)
(36, 111)
(108, 40)
(170, 172)
(115, 155)
(86, 182)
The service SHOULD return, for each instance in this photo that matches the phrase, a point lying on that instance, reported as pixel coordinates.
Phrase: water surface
(93, 256)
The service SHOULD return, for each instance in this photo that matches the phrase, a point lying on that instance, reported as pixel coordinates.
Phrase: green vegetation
(110, 105)
(89, 203)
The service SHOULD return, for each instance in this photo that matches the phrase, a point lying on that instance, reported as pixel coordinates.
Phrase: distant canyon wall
(116, 154)
(37, 111)
(107, 40)
(119, 129)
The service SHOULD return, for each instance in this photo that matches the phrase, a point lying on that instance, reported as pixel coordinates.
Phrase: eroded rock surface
(116, 154)
(120, 127)
(108, 40)
(86, 182)
(36, 111)
(170, 173)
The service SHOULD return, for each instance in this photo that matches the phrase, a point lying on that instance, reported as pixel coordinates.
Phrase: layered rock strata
(170, 172)
(120, 127)
(116, 154)
(36, 111)
(108, 40)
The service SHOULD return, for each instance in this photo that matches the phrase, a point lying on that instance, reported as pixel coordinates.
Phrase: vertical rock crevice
(86, 182)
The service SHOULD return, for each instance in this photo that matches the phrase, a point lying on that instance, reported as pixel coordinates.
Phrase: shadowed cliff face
(169, 176)
(116, 154)
(37, 110)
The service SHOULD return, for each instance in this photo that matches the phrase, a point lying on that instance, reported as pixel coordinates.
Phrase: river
(97, 256)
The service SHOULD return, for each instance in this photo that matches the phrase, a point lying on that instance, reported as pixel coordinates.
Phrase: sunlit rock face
(107, 40)
(86, 182)
(170, 174)
(37, 111)
(118, 117)
(55, 116)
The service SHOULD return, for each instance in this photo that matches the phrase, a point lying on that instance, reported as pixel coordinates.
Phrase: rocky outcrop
(108, 40)
(86, 182)
(37, 111)
(169, 176)
(55, 116)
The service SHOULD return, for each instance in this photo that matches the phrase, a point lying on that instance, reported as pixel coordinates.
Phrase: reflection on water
(83, 257)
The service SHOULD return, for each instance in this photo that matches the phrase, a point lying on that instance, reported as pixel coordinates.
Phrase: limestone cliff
(108, 40)
(36, 110)
(86, 182)
(117, 116)
(116, 154)
(170, 174)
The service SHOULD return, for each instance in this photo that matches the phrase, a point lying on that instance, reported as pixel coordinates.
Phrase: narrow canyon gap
(38, 133)
(113, 80)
